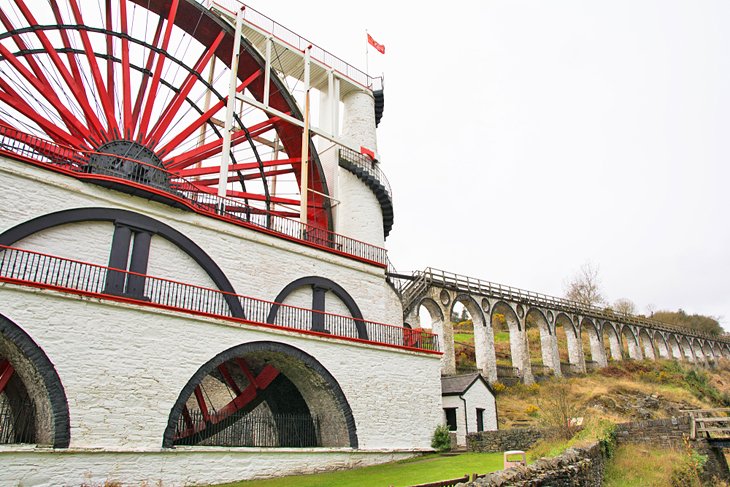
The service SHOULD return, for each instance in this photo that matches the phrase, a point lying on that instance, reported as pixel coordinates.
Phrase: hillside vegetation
(623, 391)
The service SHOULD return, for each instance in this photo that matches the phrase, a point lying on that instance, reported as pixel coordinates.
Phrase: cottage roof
(455, 385)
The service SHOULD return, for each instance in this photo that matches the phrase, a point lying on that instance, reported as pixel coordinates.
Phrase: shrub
(558, 409)
(441, 440)
(498, 387)
(532, 410)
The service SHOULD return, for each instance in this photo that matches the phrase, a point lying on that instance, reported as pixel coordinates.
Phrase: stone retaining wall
(668, 433)
(502, 440)
(576, 467)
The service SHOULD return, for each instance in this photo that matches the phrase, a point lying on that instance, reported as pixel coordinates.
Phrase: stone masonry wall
(582, 467)
(669, 433)
(503, 440)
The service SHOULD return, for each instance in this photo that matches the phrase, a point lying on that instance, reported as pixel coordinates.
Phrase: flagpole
(367, 66)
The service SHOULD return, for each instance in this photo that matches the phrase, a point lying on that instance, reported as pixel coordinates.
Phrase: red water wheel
(147, 80)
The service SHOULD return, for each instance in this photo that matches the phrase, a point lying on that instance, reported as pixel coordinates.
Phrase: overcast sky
(524, 138)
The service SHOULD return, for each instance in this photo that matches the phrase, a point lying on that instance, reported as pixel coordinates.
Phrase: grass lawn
(427, 468)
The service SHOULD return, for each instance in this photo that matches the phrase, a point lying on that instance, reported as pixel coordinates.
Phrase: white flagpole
(367, 41)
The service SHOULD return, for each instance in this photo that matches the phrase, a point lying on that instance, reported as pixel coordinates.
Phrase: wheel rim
(145, 79)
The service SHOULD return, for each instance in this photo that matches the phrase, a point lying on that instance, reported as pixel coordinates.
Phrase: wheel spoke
(171, 110)
(205, 117)
(160, 61)
(107, 102)
(77, 88)
(205, 151)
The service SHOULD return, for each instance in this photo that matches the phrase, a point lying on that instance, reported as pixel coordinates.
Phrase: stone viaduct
(606, 334)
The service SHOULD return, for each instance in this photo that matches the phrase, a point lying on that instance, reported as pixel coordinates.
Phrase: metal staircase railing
(367, 171)
(413, 291)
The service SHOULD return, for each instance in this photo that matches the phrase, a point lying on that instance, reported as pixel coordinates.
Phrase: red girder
(205, 117)
(243, 166)
(214, 147)
(245, 177)
(126, 81)
(6, 372)
(45, 89)
(159, 63)
(145, 77)
(245, 195)
(172, 108)
(242, 399)
(77, 88)
(13, 99)
(110, 64)
(106, 103)
(72, 62)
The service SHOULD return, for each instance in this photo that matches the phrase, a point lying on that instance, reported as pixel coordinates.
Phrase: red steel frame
(95, 113)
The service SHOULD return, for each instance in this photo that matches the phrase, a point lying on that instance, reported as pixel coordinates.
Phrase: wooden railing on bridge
(421, 280)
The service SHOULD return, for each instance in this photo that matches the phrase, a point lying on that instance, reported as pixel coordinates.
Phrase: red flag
(367, 152)
(379, 47)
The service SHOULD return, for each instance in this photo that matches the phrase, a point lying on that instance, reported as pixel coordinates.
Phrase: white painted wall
(478, 396)
(180, 467)
(257, 265)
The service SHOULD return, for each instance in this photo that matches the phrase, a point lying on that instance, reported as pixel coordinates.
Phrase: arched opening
(661, 346)
(473, 336)
(673, 344)
(33, 406)
(592, 346)
(698, 352)
(568, 345)
(262, 394)
(630, 346)
(686, 349)
(611, 341)
(707, 352)
(540, 343)
(646, 344)
(431, 317)
(509, 347)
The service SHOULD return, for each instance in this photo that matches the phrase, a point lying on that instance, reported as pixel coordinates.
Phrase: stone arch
(570, 355)
(320, 287)
(631, 342)
(483, 336)
(717, 350)
(34, 373)
(646, 344)
(707, 351)
(518, 355)
(673, 344)
(137, 221)
(661, 346)
(686, 347)
(547, 343)
(439, 327)
(611, 341)
(300, 383)
(699, 354)
(591, 342)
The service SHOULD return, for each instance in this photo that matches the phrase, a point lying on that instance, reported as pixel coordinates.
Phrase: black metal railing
(17, 420)
(368, 165)
(35, 268)
(255, 429)
(90, 165)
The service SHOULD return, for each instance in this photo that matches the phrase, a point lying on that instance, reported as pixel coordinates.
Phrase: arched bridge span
(569, 337)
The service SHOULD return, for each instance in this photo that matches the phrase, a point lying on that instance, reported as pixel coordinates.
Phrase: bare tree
(624, 306)
(585, 286)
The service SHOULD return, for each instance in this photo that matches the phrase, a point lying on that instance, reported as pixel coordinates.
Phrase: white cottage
(469, 405)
